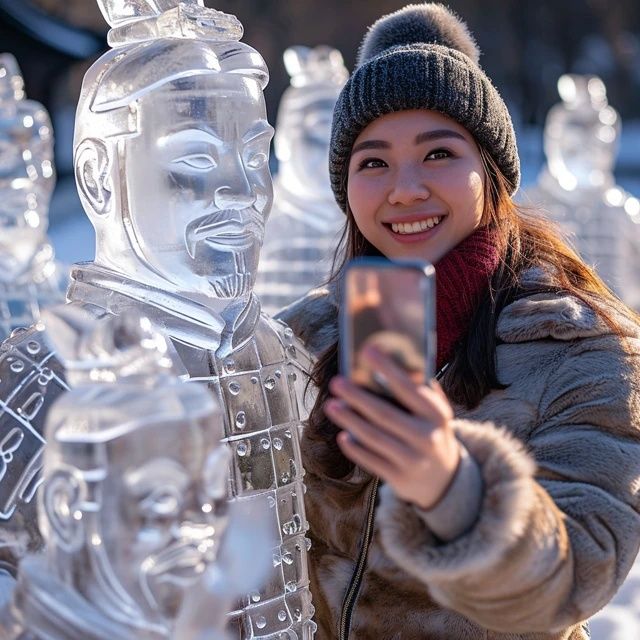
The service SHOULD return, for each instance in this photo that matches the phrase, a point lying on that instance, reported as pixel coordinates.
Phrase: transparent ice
(305, 224)
(30, 279)
(577, 187)
(171, 162)
(133, 505)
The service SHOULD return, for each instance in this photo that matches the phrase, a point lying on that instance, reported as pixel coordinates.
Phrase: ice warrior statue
(305, 224)
(133, 505)
(30, 279)
(171, 161)
(578, 189)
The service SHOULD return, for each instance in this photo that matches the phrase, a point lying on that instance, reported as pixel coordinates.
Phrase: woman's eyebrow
(370, 144)
(437, 134)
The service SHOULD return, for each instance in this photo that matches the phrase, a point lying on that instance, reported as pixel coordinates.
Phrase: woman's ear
(62, 498)
(91, 166)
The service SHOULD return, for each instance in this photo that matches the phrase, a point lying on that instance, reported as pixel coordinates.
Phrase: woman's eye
(257, 160)
(438, 154)
(371, 163)
(198, 161)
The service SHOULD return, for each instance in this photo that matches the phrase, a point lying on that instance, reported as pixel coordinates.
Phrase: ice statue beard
(225, 247)
(164, 577)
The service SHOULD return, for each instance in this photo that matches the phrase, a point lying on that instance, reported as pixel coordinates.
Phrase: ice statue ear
(94, 182)
(62, 497)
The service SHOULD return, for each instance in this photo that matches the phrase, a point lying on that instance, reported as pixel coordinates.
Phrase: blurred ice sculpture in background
(305, 224)
(133, 506)
(30, 279)
(578, 189)
(171, 162)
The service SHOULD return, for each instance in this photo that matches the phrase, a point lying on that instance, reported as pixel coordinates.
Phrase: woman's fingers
(375, 409)
(364, 458)
(370, 436)
(427, 401)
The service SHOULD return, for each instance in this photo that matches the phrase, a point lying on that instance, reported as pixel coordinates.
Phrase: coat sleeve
(559, 524)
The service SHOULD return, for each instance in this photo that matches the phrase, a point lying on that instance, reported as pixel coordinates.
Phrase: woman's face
(416, 184)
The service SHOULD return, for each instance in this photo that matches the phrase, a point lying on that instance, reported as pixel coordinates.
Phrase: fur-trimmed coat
(558, 523)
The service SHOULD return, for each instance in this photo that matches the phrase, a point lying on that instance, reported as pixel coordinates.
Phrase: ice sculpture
(171, 161)
(30, 279)
(305, 224)
(578, 189)
(133, 506)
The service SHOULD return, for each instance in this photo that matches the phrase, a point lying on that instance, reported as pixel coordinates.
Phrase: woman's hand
(415, 451)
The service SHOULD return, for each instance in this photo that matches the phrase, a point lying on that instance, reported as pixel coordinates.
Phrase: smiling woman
(415, 195)
(482, 508)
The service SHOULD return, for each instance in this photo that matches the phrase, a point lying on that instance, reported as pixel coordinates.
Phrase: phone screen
(390, 305)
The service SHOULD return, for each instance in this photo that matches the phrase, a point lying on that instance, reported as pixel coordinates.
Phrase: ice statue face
(307, 143)
(26, 182)
(582, 145)
(156, 522)
(198, 183)
(22, 231)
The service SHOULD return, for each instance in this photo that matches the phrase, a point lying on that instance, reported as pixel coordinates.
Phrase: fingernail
(333, 405)
(371, 352)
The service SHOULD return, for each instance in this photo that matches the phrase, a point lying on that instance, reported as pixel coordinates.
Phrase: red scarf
(462, 276)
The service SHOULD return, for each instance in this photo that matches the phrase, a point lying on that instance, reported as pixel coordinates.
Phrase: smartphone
(389, 304)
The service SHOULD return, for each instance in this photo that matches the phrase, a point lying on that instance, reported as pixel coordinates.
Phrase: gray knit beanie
(421, 57)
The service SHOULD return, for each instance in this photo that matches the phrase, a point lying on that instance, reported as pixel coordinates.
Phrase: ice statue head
(172, 147)
(581, 134)
(304, 118)
(134, 493)
(27, 176)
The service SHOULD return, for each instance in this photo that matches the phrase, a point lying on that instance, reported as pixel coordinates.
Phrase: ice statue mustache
(228, 230)
(175, 569)
(234, 237)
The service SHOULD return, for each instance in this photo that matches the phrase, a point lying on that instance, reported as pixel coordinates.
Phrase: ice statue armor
(30, 278)
(577, 187)
(305, 223)
(171, 161)
(133, 505)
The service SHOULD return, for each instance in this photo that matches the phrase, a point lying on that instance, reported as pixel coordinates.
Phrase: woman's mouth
(414, 230)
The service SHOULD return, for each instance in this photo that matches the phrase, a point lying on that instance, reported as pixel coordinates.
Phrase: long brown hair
(524, 238)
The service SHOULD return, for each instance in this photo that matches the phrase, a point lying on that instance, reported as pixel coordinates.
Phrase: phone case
(389, 304)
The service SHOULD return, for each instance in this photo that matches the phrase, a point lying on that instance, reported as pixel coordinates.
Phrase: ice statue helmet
(134, 496)
(304, 117)
(27, 176)
(171, 148)
(581, 134)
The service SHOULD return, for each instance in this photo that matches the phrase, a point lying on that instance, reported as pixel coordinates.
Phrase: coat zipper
(356, 579)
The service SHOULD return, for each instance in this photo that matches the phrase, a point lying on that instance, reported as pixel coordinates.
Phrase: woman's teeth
(414, 227)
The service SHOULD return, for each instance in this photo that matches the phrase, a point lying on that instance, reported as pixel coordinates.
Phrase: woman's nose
(408, 187)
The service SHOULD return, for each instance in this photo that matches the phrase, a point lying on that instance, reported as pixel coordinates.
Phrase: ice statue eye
(162, 502)
(257, 160)
(198, 161)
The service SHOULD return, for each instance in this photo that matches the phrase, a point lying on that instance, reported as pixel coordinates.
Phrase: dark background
(525, 46)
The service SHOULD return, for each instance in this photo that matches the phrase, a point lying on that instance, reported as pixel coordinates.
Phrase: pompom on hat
(421, 57)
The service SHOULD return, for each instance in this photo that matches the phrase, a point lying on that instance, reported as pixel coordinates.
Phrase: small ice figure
(577, 187)
(305, 223)
(133, 505)
(30, 278)
(171, 155)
